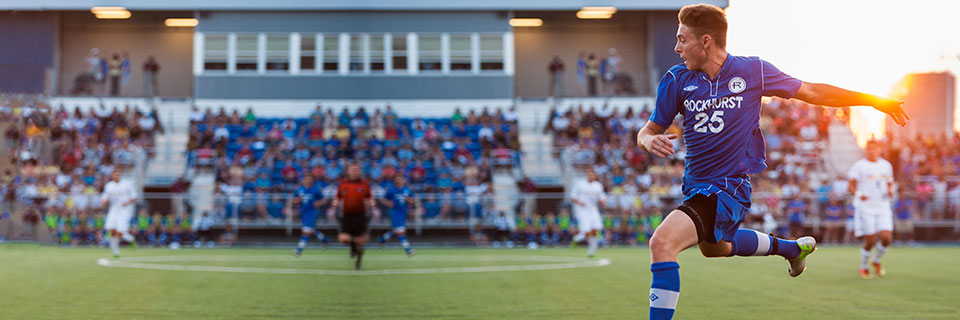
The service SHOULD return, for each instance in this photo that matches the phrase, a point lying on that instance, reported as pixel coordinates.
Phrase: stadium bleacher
(441, 157)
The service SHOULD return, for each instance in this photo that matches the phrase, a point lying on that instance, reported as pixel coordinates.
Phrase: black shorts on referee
(354, 224)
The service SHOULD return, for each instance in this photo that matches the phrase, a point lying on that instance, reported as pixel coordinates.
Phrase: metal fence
(278, 211)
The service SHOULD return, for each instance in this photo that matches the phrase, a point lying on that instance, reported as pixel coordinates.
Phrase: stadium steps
(169, 161)
(505, 193)
(843, 150)
(537, 147)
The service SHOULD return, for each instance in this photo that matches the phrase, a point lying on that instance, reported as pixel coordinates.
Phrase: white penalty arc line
(567, 263)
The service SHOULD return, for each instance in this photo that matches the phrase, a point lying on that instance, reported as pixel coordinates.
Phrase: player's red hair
(706, 19)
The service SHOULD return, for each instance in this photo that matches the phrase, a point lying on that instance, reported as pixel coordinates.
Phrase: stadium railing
(937, 216)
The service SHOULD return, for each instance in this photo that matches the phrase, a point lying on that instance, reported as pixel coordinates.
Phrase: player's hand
(894, 108)
(658, 144)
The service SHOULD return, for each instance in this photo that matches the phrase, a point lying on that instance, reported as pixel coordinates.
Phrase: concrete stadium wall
(353, 21)
(335, 86)
(565, 35)
(28, 59)
(662, 35)
(353, 87)
(142, 35)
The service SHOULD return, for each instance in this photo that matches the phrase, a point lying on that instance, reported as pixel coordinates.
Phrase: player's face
(591, 176)
(873, 151)
(353, 172)
(398, 181)
(690, 48)
(308, 181)
(115, 175)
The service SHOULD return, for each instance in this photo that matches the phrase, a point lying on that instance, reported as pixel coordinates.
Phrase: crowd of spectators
(259, 162)
(60, 159)
(794, 191)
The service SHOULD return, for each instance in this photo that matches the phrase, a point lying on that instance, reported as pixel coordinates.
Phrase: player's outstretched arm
(830, 96)
(651, 139)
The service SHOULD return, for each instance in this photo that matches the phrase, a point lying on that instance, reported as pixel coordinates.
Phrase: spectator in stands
(581, 74)
(151, 70)
(115, 71)
(610, 68)
(593, 73)
(555, 67)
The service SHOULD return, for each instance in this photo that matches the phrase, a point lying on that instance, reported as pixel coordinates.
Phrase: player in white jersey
(121, 196)
(587, 197)
(871, 183)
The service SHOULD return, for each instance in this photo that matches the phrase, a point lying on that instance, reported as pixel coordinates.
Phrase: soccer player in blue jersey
(719, 96)
(398, 198)
(307, 195)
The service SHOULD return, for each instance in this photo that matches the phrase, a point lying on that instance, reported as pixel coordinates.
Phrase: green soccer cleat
(808, 245)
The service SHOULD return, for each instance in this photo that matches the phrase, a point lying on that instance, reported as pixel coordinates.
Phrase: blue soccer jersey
(308, 212)
(721, 129)
(398, 213)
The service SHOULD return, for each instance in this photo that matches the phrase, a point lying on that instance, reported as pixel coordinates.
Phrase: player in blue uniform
(307, 196)
(398, 198)
(719, 96)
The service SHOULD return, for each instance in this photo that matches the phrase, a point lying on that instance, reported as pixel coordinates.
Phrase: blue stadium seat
(474, 146)
(431, 209)
(275, 209)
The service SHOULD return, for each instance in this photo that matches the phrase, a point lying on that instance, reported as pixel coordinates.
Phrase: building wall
(354, 86)
(565, 35)
(27, 61)
(929, 99)
(352, 21)
(663, 38)
(142, 35)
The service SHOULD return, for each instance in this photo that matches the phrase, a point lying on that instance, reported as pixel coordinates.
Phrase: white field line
(560, 263)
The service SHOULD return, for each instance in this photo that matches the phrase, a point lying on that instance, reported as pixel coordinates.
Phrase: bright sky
(860, 45)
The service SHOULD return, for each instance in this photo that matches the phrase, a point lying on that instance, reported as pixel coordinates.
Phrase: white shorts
(869, 221)
(588, 220)
(118, 220)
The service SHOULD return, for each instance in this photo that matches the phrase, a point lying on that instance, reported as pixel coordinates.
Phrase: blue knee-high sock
(386, 236)
(664, 289)
(302, 243)
(755, 243)
(405, 243)
(323, 238)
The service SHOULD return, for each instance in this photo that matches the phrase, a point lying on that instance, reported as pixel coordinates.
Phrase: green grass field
(64, 283)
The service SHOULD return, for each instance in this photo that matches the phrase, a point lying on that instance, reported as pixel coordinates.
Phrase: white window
(215, 52)
(460, 52)
(399, 52)
(331, 52)
(278, 52)
(376, 53)
(430, 52)
(356, 53)
(246, 52)
(308, 52)
(491, 52)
